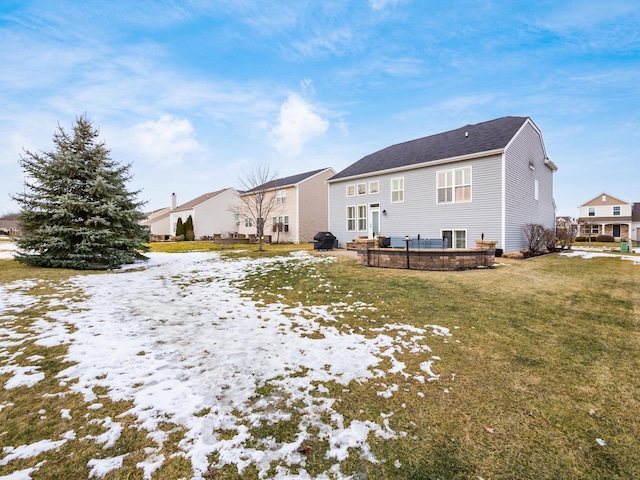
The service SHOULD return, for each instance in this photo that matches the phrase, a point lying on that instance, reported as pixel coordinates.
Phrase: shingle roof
(198, 200)
(467, 140)
(286, 181)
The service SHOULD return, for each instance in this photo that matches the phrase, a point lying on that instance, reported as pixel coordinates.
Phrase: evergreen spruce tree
(188, 229)
(76, 211)
(179, 228)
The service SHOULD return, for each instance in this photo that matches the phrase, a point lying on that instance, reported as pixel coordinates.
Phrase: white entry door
(374, 222)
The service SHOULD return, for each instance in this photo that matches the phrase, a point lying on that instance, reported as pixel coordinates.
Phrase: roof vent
(466, 134)
(604, 198)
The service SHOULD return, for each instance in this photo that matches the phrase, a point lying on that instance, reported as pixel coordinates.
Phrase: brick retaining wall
(369, 254)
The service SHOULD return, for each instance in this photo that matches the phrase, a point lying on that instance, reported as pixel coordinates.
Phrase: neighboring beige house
(9, 227)
(213, 213)
(158, 220)
(300, 207)
(609, 215)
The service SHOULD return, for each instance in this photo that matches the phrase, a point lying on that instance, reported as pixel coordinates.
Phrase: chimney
(174, 201)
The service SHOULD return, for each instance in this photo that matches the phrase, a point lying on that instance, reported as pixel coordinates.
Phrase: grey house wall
(420, 213)
(521, 207)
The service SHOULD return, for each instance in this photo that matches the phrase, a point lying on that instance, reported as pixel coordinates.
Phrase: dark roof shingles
(482, 137)
(286, 181)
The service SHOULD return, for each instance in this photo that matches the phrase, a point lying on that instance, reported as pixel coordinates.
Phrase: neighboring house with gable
(300, 207)
(9, 227)
(214, 213)
(490, 179)
(609, 215)
(157, 221)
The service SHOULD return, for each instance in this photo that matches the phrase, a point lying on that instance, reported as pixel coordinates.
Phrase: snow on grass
(183, 342)
(28, 451)
(584, 253)
(7, 249)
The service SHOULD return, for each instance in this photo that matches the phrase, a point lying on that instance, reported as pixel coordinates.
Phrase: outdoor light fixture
(384, 212)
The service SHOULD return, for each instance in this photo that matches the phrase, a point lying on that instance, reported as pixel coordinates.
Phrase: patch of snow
(587, 254)
(100, 467)
(8, 249)
(601, 442)
(180, 336)
(28, 451)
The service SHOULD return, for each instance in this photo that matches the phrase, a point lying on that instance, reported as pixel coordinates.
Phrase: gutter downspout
(503, 207)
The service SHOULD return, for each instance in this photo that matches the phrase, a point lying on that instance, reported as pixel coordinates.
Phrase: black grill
(324, 241)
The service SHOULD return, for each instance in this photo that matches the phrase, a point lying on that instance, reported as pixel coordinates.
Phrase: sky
(173, 371)
(193, 94)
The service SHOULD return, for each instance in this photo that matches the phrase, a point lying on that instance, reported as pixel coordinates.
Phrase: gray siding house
(491, 178)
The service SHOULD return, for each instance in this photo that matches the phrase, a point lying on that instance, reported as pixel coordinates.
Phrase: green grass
(543, 359)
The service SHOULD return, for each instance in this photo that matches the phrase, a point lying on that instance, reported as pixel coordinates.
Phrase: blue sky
(193, 93)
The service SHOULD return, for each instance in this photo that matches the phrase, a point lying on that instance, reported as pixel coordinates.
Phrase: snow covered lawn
(183, 341)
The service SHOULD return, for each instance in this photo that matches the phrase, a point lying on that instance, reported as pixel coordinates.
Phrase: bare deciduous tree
(258, 200)
(566, 231)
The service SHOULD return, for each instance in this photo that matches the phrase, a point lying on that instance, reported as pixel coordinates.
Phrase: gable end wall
(521, 207)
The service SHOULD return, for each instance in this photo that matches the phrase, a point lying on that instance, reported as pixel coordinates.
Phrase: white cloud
(165, 141)
(298, 124)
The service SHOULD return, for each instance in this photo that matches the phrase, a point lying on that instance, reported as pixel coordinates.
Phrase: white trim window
(592, 211)
(351, 218)
(362, 218)
(351, 190)
(248, 222)
(616, 211)
(280, 224)
(457, 238)
(454, 186)
(281, 196)
(374, 187)
(397, 190)
(362, 189)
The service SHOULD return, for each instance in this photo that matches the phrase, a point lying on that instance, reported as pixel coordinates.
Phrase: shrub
(605, 238)
(535, 238)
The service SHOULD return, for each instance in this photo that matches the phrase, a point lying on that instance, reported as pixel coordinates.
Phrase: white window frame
(398, 191)
(281, 197)
(351, 190)
(361, 188)
(374, 187)
(351, 220)
(591, 212)
(616, 210)
(453, 184)
(248, 222)
(454, 236)
(361, 215)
